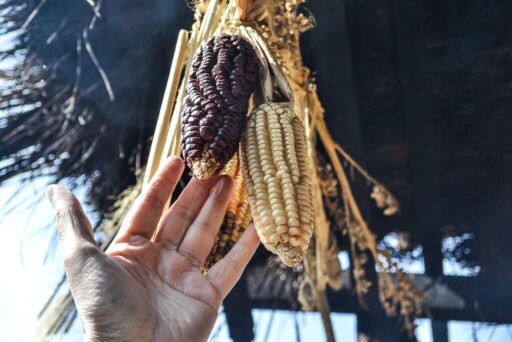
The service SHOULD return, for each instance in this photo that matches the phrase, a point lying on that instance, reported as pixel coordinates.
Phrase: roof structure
(418, 92)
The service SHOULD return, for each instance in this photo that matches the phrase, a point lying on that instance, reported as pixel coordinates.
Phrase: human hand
(148, 286)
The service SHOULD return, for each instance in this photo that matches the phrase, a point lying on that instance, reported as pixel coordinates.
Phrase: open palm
(148, 285)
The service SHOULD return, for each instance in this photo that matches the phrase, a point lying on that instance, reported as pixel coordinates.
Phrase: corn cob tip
(204, 168)
(290, 255)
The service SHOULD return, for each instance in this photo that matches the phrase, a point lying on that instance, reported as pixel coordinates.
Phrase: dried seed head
(223, 76)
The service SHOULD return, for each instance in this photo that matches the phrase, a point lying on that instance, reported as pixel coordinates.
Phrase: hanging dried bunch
(400, 295)
(331, 195)
(223, 76)
(384, 200)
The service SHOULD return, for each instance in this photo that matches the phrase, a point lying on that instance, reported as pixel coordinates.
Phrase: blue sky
(27, 282)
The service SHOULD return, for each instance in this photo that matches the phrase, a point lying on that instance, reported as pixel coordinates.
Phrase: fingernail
(173, 158)
(50, 193)
(222, 185)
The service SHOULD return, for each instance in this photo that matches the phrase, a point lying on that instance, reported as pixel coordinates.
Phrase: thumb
(75, 231)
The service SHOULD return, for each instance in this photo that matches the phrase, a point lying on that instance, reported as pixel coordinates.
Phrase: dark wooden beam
(237, 309)
(416, 102)
(336, 82)
(331, 61)
(407, 18)
(455, 298)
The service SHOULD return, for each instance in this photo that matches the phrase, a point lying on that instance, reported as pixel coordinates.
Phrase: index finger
(144, 215)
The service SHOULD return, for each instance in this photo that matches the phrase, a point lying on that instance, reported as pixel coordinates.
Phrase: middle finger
(199, 239)
(183, 212)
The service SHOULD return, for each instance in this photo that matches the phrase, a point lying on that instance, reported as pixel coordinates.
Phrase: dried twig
(97, 64)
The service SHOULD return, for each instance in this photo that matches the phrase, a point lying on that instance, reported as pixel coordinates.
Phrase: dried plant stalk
(164, 117)
(400, 294)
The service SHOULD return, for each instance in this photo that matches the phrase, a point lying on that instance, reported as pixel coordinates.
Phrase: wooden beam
(337, 85)
(455, 298)
(409, 36)
(237, 309)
